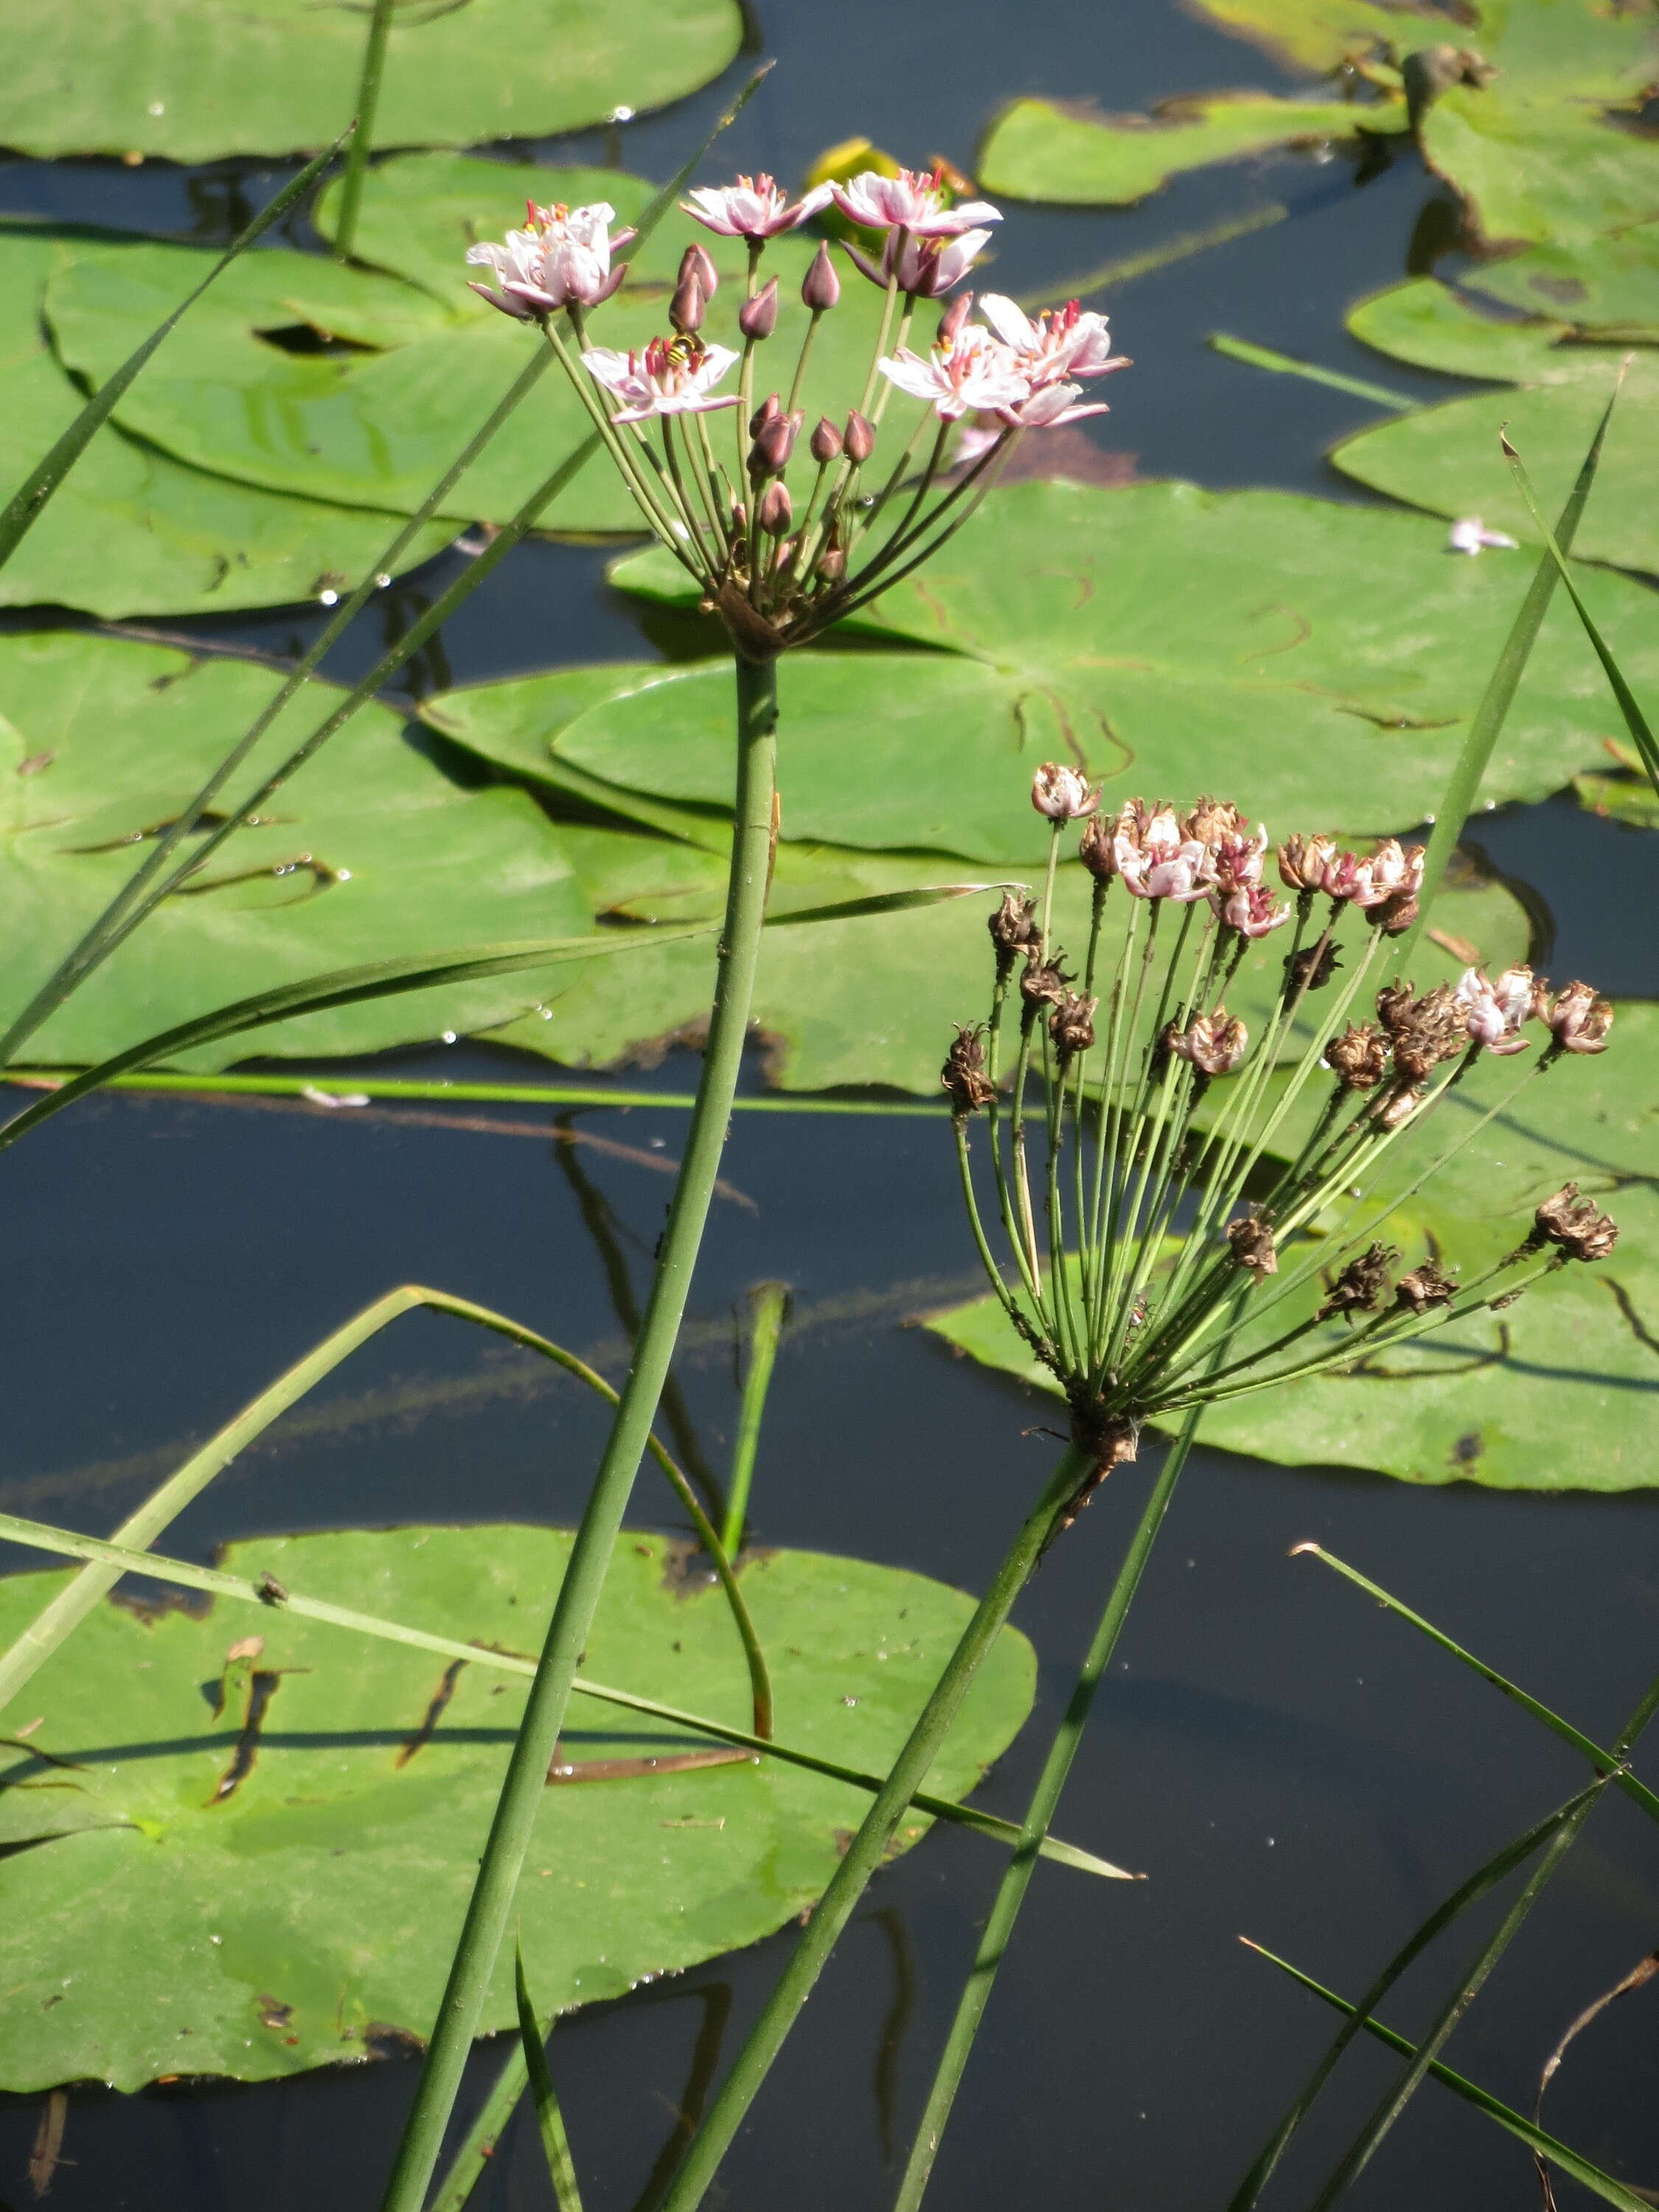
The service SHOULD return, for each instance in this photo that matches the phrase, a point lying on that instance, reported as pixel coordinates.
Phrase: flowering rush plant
(785, 530)
(1164, 1229)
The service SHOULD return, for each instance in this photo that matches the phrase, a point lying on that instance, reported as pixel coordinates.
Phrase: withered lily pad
(252, 1865)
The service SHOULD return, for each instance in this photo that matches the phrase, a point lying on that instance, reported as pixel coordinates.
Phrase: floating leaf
(1607, 287)
(1432, 326)
(192, 81)
(1039, 149)
(133, 531)
(250, 1866)
(351, 386)
(1560, 1391)
(1531, 162)
(1448, 459)
(1319, 662)
(375, 848)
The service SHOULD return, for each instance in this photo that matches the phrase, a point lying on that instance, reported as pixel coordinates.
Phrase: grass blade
(556, 2144)
(368, 99)
(489, 1094)
(769, 1305)
(1463, 785)
(1606, 1762)
(28, 501)
(1635, 721)
(1282, 364)
(1559, 2153)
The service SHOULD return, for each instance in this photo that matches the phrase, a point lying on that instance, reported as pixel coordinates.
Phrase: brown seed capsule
(826, 442)
(1573, 1224)
(1013, 930)
(964, 1073)
(1361, 1283)
(1043, 983)
(1096, 851)
(1395, 915)
(1397, 1110)
(1062, 793)
(821, 287)
(1425, 1286)
(1253, 1246)
(1312, 968)
(1425, 1030)
(1359, 1058)
(1214, 820)
(1578, 1020)
(1301, 862)
(861, 439)
(758, 318)
(1072, 1025)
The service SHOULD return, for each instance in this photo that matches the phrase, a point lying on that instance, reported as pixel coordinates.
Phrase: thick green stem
(865, 1853)
(368, 99)
(491, 1905)
(1017, 1875)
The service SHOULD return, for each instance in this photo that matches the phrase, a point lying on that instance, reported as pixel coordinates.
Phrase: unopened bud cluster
(782, 558)
(1180, 1212)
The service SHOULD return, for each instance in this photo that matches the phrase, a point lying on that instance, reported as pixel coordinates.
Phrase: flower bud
(1061, 794)
(685, 309)
(770, 407)
(1573, 1224)
(861, 439)
(697, 261)
(775, 514)
(758, 318)
(1252, 1241)
(821, 287)
(826, 442)
(1359, 1058)
(951, 322)
(1578, 1020)
(964, 1073)
(774, 443)
(831, 564)
(1361, 1283)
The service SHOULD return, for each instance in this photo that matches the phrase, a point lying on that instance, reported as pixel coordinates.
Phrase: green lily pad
(1038, 149)
(191, 80)
(1448, 459)
(134, 532)
(1606, 286)
(1429, 325)
(394, 370)
(253, 1867)
(1629, 797)
(376, 848)
(1317, 661)
(1541, 167)
(1560, 1391)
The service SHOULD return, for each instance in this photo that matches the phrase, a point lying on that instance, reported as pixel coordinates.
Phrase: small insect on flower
(673, 376)
(1062, 793)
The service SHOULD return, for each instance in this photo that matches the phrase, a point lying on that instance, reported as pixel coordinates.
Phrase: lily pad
(1430, 325)
(376, 848)
(1319, 662)
(1607, 287)
(191, 80)
(1559, 1391)
(1541, 166)
(1039, 149)
(134, 532)
(1448, 459)
(357, 386)
(254, 1866)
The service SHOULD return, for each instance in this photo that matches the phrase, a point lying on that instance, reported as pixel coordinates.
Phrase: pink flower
(927, 268)
(1237, 859)
(1494, 1012)
(912, 201)
(973, 371)
(1249, 909)
(564, 256)
(1049, 408)
(673, 376)
(1392, 871)
(1470, 535)
(1062, 793)
(755, 207)
(1063, 341)
(1156, 861)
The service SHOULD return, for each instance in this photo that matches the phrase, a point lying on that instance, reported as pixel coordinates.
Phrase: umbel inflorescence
(1187, 1210)
(786, 532)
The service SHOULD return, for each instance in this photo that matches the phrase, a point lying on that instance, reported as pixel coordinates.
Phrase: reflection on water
(1281, 1758)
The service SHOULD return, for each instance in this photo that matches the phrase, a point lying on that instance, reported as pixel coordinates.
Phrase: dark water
(1281, 1758)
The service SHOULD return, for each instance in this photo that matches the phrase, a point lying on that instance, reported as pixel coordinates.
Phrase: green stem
(1017, 1875)
(491, 1905)
(865, 1853)
(368, 99)
(769, 1305)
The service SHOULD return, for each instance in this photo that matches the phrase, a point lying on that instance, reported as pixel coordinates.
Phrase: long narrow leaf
(1468, 772)
(1559, 2153)
(23, 510)
(1635, 721)
(1605, 1761)
(65, 1543)
(1284, 364)
(556, 2144)
(472, 2160)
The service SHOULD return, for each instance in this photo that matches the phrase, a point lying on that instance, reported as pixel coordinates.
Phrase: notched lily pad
(254, 1865)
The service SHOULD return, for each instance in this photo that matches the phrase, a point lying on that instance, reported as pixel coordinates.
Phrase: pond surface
(1281, 1758)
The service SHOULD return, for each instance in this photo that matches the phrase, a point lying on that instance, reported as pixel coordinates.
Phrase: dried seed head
(758, 318)
(1359, 1058)
(825, 443)
(1395, 915)
(1214, 1043)
(1426, 1285)
(1361, 1284)
(821, 287)
(1043, 983)
(775, 513)
(1577, 1019)
(1312, 968)
(861, 439)
(1072, 1025)
(1013, 929)
(1250, 910)
(963, 1076)
(1573, 1224)
(1424, 1030)
(1062, 793)
(1213, 821)
(1095, 851)
(1302, 862)
(1253, 1246)
(685, 309)
(1393, 871)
